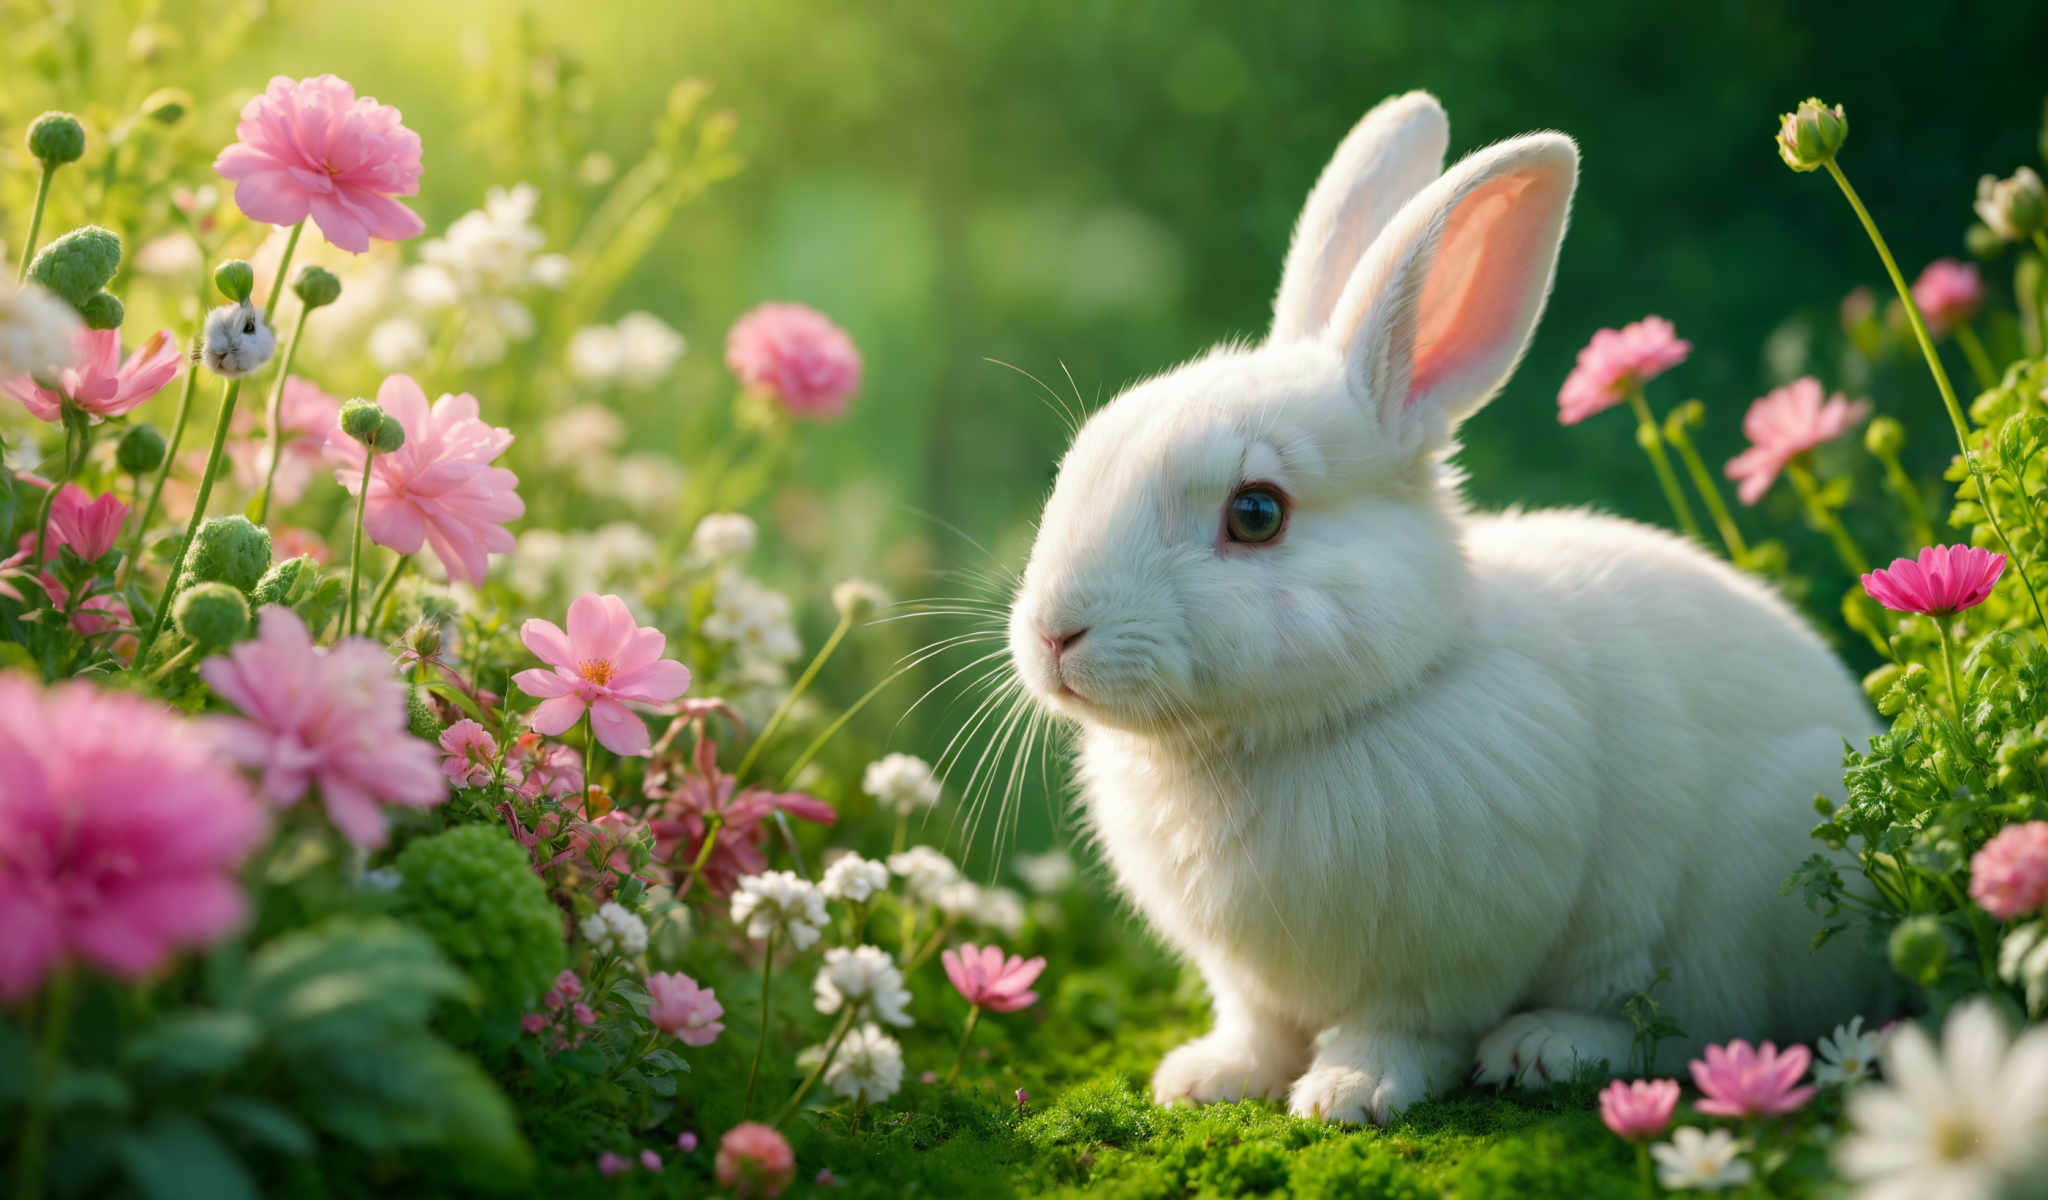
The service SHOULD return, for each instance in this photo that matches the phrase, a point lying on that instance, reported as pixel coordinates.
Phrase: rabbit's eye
(1255, 514)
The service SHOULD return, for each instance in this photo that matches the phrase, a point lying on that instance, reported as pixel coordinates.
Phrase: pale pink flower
(567, 985)
(1946, 580)
(542, 768)
(1640, 1110)
(680, 824)
(1615, 363)
(1782, 426)
(797, 355)
(310, 147)
(328, 718)
(754, 1160)
(470, 751)
(686, 1141)
(604, 661)
(990, 981)
(120, 833)
(2009, 876)
(1739, 1080)
(584, 1014)
(102, 383)
(533, 1022)
(611, 1163)
(439, 487)
(679, 1007)
(650, 1160)
(1947, 294)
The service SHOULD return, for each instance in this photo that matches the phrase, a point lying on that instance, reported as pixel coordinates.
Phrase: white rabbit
(1413, 785)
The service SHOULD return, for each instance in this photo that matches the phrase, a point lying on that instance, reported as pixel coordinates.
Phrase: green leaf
(194, 1042)
(417, 1091)
(178, 1158)
(346, 971)
(263, 1123)
(89, 1089)
(17, 1055)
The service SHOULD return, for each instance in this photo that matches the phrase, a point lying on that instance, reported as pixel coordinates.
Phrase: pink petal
(554, 717)
(618, 729)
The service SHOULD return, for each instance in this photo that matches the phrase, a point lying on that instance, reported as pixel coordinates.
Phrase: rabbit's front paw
(1550, 1046)
(1350, 1096)
(1219, 1067)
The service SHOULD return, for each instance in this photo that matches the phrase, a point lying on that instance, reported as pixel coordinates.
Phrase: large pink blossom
(2009, 875)
(102, 383)
(1948, 293)
(689, 800)
(1946, 580)
(679, 1007)
(439, 487)
(796, 354)
(120, 833)
(988, 980)
(328, 718)
(1782, 426)
(1640, 1110)
(604, 661)
(311, 147)
(1740, 1080)
(1615, 363)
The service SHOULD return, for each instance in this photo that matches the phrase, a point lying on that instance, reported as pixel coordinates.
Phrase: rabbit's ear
(1387, 157)
(1444, 302)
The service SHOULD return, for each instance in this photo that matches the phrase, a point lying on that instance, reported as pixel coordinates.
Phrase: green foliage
(231, 550)
(473, 889)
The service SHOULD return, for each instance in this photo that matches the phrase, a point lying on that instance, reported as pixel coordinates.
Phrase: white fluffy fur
(1417, 788)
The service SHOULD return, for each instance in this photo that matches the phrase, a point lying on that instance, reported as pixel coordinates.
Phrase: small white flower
(752, 618)
(38, 331)
(553, 271)
(614, 927)
(868, 1067)
(780, 901)
(853, 599)
(397, 343)
(594, 930)
(594, 353)
(1046, 873)
(853, 879)
(959, 900)
(1700, 1162)
(1848, 1056)
(862, 975)
(926, 871)
(901, 783)
(647, 483)
(724, 537)
(1000, 909)
(648, 349)
(586, 431)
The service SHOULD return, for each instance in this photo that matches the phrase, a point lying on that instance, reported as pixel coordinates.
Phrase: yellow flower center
(595, 670)
(1954, 1139)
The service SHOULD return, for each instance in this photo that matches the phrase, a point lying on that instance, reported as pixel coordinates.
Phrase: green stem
(966, 1036)
(355, 555)
(284, 266)
(383, 594)
(753, 1072)
(789, 701)
(832, 1044)
(1948, 664)
(931, 945)
(1973, 349)
(56, 485)
(1643, 1173)
(35, 1128)
(1902, 486)
(831, 731)
(35, 223)
(1827, 520)
(1652, 443)
(1941, 382)
(284, 370)
(589, 751)
(1724, 521)
(220, 437)
(712, 825)
(174, 662)
(163, 473)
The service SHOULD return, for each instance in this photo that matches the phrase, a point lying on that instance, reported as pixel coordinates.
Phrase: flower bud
(419, 715)
(286, 583)
(1809, 135)
(236, 340)
(1884, 437)
(1918, 949)
(211, 614)
(376, 429)
(56, 138)
(390, 434)
(102, 310)
(1647, 436)
(2016, 207)
(423, 639)
(229, 550)
(77, 266)
(141, 450)
(1982, 243)
(316, 286)
(854, 599)
(167, 106)
(236, 279)
(1882, 680)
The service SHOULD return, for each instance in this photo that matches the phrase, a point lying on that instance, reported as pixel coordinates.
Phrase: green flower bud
(2016, 208)
(167, 106)
(360, 419)
(1647, 437)
(423, 638)
(56, 138)
(140, 451)
(77, 266)
(1916, 679)
(390, 434)
(211, 614)
(230, 550)
(419, 715)
(316, 287)
(1884, 437)
(1809, 135)
(102, 310)
(286, 583)
(1919, 949)
(1880, 681)
(236, 279)
(1982, 243)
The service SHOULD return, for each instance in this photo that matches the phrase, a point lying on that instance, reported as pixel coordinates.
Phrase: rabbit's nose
(1060, 643)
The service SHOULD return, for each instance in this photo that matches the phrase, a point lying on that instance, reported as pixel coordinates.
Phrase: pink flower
(470, 752)
(439, 487)
(568, 986)
(1617, 362)
(305, 414)
(1640, 1110)
(311, 148)
(102, 384)
(610, 1164)
(1945, 580)
(824, 1178)
(990, 981)
(533, 1022)
(682, 1008)
(120, 833)
(584, 1014)
(1947, 294)
(1784, 425)
(2009, 876)
(650, 1160)
(91, 526)
(797, 355)
(1741, 1081)
(686, 1141)
(541, 768)
(680, 825)
(331, 718)
(603, 661)
(754, 1160)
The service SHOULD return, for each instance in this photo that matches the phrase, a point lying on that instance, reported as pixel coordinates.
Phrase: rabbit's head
(1262, 535)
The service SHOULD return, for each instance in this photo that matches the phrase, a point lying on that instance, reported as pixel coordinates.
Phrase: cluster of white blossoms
(722, 538)
(925, 870)
(868, 1067)
(1047, 873)
(638, 352)
(852, 879)
(614, 927)
(583, 432)
(901, 783)
(781, 902)
(755, 620)
(613, 557)
(36, 331)
(476, 273)
(863, 976)
(932, 878)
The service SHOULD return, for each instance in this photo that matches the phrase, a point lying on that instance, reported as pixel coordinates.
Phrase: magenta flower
(533, 1022)
(990, 981)
(439, 487)
(686, 1141)
(2009, 876)
(91, 526)
(1945, 581)
(650, 1160)
(610, 1163)
(1739, 1080)
(797, 355)
(102, 383)
(311, 147)
(602, 662)
(682, 1008)
(1617, 362)
(1947, 294)
(470, 752)
(1640, 1110)
(754, 1160)
(120, 833)
(328, 718)
(681, 823)
(1784, 425)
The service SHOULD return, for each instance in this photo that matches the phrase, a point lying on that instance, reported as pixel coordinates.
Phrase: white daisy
(724, 537)
(1700, 1162)
(38, 331)
(1849, 1056)
(780, 901)
(862, 975)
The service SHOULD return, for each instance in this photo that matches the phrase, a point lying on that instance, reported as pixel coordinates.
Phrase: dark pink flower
(797, 355)
(584, 1014)
(650, 1160)
(1640, 1110)
(610, 1163)
(469, 752)
(1615, 363)
(679, 1007)
(686, 1141)
(604, 661)
(120, 833)
(1946, 580)
(990, 981)
(1739, 1080)
(1784, 425)
(680, 823)
(311, 147)
(2009, 875)
(102, 384)
(1947, 294)
(754, 1160)
(533, 1022)
(91, 526)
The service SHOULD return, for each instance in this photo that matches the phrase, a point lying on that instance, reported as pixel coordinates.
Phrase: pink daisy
(604, 661)
(1782, 426)
(2009, 876)
(1946, 580)
(796, 354)
(1615, 363)
(103, 384)
(681, 1008)
(990, 981)
(680, 824)
(311, 147)
(1947, 294)
(1739, 1080)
